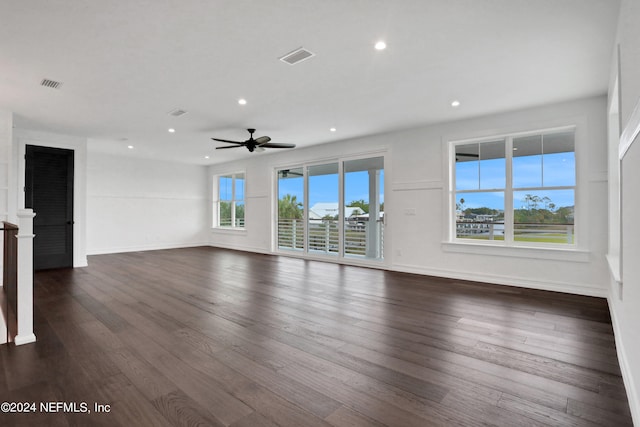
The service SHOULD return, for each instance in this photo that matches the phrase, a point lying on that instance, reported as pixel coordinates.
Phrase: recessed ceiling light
(455, 103)
(242, 101)
(333, 129)
(380, 45)
(171, 130)
(130, 147)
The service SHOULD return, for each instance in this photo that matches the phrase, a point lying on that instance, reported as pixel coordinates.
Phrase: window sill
(558, 254)
(229, 230)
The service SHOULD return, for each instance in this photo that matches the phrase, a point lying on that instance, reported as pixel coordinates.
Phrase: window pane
(290, 209)
(467, 167)
(492, 165)
(363, 208)
(527, 161)
(480, 215)
(323, 209)
(239, 214)
(559, 163)
(226, 187)
(239, 187)
(545, 216)
(225, 214)
(480, 166)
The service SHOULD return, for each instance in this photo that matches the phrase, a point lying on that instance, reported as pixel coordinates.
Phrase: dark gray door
(49, 192)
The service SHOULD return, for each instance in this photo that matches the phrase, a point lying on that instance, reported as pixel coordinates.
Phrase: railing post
(25, 277)
(294, 237)
(327, 232)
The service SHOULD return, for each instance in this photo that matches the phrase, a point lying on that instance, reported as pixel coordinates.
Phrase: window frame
(509, 191)
(217, 200)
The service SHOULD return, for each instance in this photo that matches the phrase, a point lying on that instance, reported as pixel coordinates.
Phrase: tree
(532, 201)
(460, 206)
(548, 214)
(225, 213)
(289, 207)
(364, 206)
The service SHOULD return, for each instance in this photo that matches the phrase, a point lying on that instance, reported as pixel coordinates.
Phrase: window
(229, 205)
(517, 189)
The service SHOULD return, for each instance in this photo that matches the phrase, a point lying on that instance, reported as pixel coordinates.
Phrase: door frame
(340, 259)
(22, 138)
(33, 178)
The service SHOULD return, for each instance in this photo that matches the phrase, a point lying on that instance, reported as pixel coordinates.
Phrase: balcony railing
(227, 222)
(522, 232)
(324, 236)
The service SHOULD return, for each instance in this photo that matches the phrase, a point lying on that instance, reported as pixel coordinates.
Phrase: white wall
(22, 138)
(624, 297)
(136, 204)
(416, 175)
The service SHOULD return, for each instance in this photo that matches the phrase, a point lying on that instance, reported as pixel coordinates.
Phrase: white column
(373, 231)
(25, 277)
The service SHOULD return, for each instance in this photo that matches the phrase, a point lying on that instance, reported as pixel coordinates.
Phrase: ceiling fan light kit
(258, 144)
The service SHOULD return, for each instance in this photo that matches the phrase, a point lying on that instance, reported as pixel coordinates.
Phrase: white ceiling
(125, 64)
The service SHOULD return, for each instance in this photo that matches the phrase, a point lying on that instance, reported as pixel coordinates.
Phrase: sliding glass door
(364, 208)
(291, 223)
(334, 209)
(323, 210)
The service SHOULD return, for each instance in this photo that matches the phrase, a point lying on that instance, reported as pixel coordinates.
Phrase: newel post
(25, 277)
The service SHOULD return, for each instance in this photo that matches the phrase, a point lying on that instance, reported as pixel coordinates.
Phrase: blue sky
(324, 188)
(548, 170)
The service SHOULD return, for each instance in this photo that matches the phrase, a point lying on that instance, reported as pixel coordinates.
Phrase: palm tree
(289, 207)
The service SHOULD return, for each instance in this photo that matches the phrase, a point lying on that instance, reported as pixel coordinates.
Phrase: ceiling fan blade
(467, 155)
(226, 140)
(262, 140)
(228, 146)
(277, 145)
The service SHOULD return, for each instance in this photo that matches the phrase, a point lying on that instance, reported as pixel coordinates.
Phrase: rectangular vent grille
(297, 56)
(177, 112)
(50, 83)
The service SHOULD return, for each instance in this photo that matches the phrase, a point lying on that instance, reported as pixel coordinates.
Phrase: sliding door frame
(340, 258)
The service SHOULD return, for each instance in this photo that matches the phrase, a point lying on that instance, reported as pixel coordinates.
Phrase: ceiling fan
(286, 172)
(465, 155)
(258, 144)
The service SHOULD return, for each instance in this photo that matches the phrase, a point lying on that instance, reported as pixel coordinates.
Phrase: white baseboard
(81, 262)
(24, 339)
(244, 248)
(629, 384)
(544, 285)
(141, 248)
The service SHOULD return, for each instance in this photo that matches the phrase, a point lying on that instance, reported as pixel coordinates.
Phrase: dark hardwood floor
(206, 336)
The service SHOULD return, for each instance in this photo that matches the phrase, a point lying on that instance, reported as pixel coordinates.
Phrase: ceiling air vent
(297, 56)
(50, 83)
(177, 112)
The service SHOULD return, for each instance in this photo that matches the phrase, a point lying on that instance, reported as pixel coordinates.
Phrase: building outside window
(517, 189)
